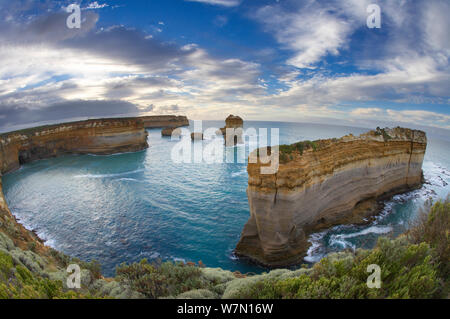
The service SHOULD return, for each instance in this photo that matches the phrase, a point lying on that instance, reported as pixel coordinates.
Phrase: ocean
(125, 207)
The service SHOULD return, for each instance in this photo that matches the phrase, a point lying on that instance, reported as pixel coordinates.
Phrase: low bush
(412, 266)
(157, 279)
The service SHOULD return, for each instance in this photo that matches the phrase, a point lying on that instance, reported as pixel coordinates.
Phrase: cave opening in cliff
(23, 156)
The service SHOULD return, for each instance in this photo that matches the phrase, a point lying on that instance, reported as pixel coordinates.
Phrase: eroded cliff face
(164, 121)
(236, 123)
(102, 136)
(324, 183)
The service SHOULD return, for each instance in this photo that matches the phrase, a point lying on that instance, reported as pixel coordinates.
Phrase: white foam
(108, 175)
(235, 174)
(370, 230)
(313, 254)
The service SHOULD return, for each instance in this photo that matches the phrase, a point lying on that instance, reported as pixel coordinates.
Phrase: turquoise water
(126, 207)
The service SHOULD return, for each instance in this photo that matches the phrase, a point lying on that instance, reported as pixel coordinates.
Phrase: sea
(150, 204)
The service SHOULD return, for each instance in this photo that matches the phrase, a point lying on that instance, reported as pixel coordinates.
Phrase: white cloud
(311, 32)
(95, 5)
(43, 66)
(224, 3)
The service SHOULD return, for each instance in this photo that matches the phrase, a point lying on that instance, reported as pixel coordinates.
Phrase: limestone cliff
(164, 121)
(324, 183)
(236, 123)
(102, 136)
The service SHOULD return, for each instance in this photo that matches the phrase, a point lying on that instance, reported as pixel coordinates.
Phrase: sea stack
(196, 136)
(324, 183)
(235, 125)
(169, 131)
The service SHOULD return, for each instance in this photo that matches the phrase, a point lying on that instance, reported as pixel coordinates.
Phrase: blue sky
(285, 60)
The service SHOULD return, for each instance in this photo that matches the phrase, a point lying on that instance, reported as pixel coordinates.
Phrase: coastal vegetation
(414, 265)
(288, 151)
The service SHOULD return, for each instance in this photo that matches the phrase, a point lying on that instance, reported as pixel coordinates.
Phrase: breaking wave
(437, 179)
(109, 175)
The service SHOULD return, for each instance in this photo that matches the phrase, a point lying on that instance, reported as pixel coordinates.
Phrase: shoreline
(263, 265)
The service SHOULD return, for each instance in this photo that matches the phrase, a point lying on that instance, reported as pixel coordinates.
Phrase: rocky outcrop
(168, 131)
(235, 125)
(196, 136)
(164, 121)
(324, 183)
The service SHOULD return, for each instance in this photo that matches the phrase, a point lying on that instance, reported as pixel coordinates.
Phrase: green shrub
(286, 151)
(160, 279)
(433, 227)
(407, 271)
(94, 267)
(6, 263)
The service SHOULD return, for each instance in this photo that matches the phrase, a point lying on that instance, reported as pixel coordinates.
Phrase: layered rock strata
(324, 183)
(101, 136)
(164, 121)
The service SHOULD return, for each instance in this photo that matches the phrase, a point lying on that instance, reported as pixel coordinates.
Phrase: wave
(339, 240)
(109, 175)
(235, 174)
(47, 239)
(316, 250)
(370, 230)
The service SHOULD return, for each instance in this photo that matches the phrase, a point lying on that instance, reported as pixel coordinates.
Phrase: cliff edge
(323, 183)
(164, 121)
(101, 136)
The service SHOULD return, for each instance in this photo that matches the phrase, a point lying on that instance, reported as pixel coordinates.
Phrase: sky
(279, 60)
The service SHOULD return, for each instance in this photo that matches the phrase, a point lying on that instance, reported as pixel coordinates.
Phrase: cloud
(14, 116)
(224, 3)
(95, 5)
(46, 73)
(310, 31)
(168, 109)
(51, 72)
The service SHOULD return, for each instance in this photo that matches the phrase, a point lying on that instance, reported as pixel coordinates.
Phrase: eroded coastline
(133, 139)
(324, 183)
(97, 136)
